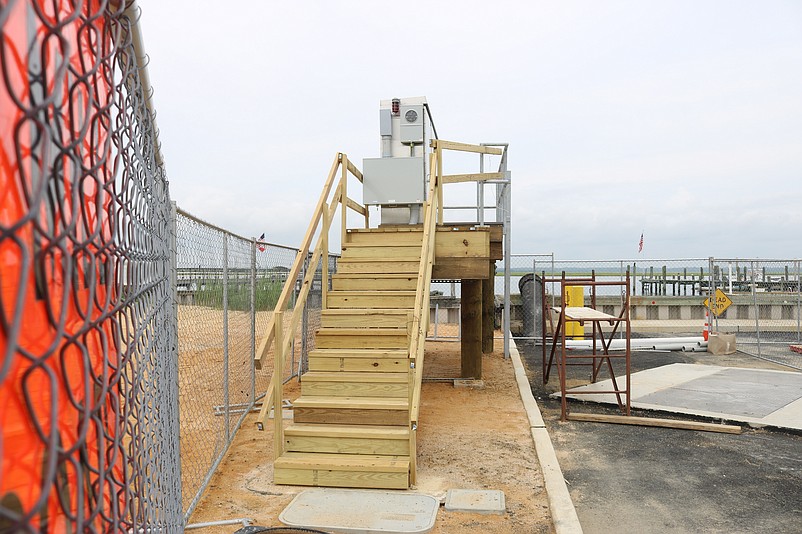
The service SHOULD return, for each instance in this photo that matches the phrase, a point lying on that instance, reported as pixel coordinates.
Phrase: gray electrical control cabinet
(396, 182)
(393, 181)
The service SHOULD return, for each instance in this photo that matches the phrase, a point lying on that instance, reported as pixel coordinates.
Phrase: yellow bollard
(575, 298)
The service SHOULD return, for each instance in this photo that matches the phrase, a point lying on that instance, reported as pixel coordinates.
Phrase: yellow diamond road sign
(722, 303)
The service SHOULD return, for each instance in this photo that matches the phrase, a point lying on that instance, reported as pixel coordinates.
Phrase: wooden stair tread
(349, 376)
(364, 318)
(347, 431)
(389, 276)
(365, 311)
(408, 247)
(360, 360)
(340, 299)
(373, 292)
(362, 403)
(378, 266)
(359, 353)
(342, 462)
(347, 331)
(384, 249)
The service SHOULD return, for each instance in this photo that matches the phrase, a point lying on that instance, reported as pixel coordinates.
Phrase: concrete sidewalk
(758, 397)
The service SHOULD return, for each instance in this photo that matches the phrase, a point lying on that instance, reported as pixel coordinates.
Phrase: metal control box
(393, 181)
(411, 124)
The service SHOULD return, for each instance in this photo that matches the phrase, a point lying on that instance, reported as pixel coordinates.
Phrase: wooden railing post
(438, 185)
(324, 287)
(278, 386)
(344, 198)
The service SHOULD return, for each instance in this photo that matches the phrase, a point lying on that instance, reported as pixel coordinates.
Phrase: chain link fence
(763, 301)
(667, 298)
(227, 288)
(88, 375)
(127, 327)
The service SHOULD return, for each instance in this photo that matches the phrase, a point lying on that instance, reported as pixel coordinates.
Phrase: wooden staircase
(351, 424)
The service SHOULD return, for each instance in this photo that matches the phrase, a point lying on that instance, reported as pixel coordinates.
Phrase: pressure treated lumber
(354, 384)
(648, 421)
(378, 265)
(342, 470)
(464, 147)
(352, 410)
(362, 338)
(367, 282)
(371, 299)
(359, 360)
(347, 439)
(471, 334)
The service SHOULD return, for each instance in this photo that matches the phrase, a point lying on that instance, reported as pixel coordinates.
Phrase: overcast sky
(678, 119)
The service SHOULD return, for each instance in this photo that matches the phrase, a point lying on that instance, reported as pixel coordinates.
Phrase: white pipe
(653, 343)
(694, 348)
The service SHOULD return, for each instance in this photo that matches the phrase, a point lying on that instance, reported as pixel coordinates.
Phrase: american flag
(261, 247)
(640, 243)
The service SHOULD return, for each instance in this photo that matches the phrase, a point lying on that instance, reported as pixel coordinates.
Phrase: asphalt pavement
(645, 479)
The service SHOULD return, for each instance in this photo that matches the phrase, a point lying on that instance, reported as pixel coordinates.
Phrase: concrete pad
(476, 501)
(471, 383)
(746, 392)
(361, 511)
(754, 396)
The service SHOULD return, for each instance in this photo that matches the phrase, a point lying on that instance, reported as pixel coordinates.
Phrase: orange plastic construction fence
(61, 435)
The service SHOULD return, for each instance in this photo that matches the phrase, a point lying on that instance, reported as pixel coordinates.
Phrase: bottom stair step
(342, 470)
(347, 439)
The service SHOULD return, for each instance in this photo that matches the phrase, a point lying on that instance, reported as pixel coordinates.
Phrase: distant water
(449, 289)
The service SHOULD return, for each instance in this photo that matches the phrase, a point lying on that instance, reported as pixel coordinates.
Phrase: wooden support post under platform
(471, 335)
(488, 309)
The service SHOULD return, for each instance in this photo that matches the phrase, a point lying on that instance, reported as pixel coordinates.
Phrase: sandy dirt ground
(468, 438)
(202, 378)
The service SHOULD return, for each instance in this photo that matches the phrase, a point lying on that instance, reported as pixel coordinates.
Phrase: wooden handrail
(289, 286)
(419, 324)
(476, 177)
(464, 147)
(284, 346)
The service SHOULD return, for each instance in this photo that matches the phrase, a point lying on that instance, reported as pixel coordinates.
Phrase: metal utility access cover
(361, 511)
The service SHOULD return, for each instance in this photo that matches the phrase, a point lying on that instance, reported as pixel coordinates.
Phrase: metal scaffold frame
(600, 352)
